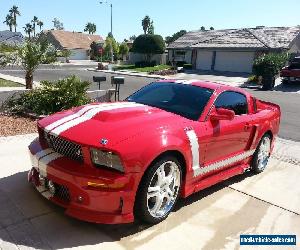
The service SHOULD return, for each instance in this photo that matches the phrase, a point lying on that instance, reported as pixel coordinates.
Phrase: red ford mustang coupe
(112, 162)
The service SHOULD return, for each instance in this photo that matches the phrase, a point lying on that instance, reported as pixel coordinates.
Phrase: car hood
(109, 122)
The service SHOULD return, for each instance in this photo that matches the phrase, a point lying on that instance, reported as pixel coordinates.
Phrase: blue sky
(169, 16)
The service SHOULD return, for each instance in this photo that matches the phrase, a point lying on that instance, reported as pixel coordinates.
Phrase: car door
(226, 138)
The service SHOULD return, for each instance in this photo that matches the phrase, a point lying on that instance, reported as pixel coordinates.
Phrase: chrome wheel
(264, 153)
(163, 189)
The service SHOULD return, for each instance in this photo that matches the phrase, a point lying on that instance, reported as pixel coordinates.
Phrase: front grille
(62, 193)
(64, 147)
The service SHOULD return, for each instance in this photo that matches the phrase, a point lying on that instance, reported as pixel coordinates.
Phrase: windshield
(182, 99)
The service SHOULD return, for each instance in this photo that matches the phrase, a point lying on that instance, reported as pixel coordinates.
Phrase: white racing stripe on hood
(71, 117)
(91, 113)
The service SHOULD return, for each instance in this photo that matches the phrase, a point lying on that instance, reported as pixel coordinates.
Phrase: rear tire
(159, 190)
(262, 154)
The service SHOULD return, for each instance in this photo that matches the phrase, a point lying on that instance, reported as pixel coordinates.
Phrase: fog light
(42, 180)
(51, 187)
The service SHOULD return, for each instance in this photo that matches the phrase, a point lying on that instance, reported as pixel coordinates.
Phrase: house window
(180, 53)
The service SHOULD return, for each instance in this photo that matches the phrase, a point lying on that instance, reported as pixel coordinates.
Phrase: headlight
(107, 159)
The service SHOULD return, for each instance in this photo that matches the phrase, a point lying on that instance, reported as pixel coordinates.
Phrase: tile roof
(10, 37)
(252, 38)
(73, 40)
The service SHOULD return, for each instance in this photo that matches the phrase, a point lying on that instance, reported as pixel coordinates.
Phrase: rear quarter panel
(267, 119)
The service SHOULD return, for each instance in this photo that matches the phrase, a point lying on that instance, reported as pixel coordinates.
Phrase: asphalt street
(287, 97)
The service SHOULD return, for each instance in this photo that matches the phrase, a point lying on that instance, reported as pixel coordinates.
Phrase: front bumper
(109, 200)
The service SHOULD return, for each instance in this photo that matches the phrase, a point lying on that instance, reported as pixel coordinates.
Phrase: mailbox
(117, 81)
(99, 79)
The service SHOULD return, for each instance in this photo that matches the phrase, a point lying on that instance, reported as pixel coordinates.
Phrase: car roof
(207, 84)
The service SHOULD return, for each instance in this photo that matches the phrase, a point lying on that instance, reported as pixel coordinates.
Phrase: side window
(234, 101)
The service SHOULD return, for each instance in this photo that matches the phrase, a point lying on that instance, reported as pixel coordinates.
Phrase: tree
(175, 36)
(14, 12)
(148, 45)
(28, 29)
(151, 29)
(211, 28)
(30, 55)
(111, 46)
(95, 49)
(110, 35)
(9, 21)
(202, 28)
(90, 27)
(57, 24)
(34, 22)
(146, 24)
(40, 24)
(132, 38)
(123, 49)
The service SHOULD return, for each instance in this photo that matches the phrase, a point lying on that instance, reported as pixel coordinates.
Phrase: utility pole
(111, 28)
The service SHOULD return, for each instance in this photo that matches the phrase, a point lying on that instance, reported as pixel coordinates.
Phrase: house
(232, 50)
(11, 38)
(78, 43)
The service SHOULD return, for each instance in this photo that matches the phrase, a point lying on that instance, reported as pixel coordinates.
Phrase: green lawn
(6, 83)
(145, 69)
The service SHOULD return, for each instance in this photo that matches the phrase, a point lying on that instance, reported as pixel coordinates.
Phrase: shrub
(180, 63)
(51, 97)
(252, 78)
(148, 45)
(269, 64)
(143, 64)
(187, 66)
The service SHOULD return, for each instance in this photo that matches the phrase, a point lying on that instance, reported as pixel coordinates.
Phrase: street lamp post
(111, 28)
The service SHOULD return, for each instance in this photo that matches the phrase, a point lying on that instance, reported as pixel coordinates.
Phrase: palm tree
(9, 21)
(14, 12)
(40, 24)
(146, 24)
(90, 27)
(28, 29)
(34, 21)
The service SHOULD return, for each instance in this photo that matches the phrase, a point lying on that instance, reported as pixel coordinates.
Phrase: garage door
(234, 61)
(204, 60)
(79, 54)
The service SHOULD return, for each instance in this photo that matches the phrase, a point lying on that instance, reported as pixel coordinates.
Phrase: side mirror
(218, 114)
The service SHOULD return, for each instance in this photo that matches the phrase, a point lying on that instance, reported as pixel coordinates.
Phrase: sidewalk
(16, 79)
(268, 203)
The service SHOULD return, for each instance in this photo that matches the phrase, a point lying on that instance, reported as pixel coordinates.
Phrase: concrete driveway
(268, 203)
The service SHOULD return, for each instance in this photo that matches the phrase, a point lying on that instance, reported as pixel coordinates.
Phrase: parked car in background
(291, 73)
(114, 162)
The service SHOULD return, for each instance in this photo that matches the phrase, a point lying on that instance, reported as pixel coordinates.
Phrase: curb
(128, 74)
(18, 80)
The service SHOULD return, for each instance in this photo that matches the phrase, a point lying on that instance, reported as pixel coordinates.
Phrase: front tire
(262, 154)
(159, 190)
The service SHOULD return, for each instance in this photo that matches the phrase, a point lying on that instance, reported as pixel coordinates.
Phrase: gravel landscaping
(16, 125)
